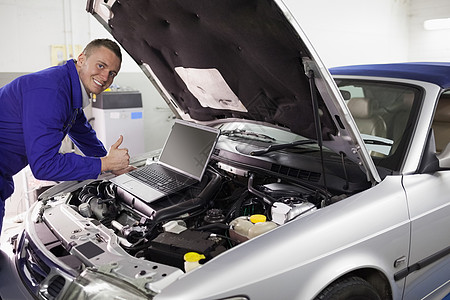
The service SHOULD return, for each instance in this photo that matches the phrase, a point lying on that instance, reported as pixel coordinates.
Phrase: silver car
(323, 184)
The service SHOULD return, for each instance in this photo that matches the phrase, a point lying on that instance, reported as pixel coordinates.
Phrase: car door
(428, 272)
(429, 260)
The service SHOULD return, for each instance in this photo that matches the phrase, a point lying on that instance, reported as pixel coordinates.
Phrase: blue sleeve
(85, 138)
(45, 113)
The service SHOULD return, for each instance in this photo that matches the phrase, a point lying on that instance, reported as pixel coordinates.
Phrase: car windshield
(384, 114)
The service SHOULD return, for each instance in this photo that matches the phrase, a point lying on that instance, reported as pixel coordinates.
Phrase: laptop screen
(188, 148)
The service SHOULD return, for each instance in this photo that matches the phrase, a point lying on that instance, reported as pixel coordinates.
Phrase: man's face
(97, 71)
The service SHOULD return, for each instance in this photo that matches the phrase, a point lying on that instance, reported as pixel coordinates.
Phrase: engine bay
(218, 213)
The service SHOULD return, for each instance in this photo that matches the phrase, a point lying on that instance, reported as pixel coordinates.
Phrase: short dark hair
(107, 43)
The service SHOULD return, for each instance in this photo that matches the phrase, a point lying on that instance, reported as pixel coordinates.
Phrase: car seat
(441, 123)
(364, 112)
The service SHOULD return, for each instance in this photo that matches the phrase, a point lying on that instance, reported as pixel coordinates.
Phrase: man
(37, 111)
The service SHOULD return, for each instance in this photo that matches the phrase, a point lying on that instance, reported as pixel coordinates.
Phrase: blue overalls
(36, 112)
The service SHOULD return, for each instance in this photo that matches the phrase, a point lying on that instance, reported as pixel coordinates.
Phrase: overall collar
(77, 98)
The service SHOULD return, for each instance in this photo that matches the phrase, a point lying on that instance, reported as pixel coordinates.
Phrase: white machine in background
(119, 113)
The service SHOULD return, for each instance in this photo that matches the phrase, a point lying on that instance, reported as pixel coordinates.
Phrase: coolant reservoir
(244, 228)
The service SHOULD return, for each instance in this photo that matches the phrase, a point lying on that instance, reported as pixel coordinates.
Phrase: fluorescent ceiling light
(437, 24)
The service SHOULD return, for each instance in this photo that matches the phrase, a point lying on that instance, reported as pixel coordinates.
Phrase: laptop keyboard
(156, 179)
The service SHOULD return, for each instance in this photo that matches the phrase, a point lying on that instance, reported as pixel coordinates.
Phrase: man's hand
(117, 159)
(123, 171)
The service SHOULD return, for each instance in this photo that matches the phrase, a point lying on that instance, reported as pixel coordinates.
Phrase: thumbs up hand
(117, 158)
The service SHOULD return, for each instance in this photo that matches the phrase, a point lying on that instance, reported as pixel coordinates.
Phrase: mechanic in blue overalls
(38, 110)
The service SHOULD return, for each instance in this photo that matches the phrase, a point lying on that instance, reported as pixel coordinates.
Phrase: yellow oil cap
(193, 257)
(257, 218)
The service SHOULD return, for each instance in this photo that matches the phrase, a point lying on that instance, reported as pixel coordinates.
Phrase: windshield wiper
(377, 142)
(276, 147)
(242, 132)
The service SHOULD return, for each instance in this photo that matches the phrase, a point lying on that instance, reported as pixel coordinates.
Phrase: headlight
(96, 286)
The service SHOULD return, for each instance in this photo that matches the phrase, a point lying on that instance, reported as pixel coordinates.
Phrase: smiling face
(97, 69)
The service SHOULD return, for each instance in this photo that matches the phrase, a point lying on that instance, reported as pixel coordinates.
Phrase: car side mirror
(444, 157)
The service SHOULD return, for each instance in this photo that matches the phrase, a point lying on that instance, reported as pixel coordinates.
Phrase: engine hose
(266, 198)
(235, 209)
(210, 227)
(191, 204)
(89, 191)
(90, 195)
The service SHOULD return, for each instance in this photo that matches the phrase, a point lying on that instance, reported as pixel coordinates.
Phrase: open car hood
(235, 59)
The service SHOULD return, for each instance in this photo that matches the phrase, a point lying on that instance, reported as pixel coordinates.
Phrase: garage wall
(428, 45)
(28, 28)
(355, 31)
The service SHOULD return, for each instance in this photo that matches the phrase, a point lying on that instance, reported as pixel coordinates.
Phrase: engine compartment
(226, 208)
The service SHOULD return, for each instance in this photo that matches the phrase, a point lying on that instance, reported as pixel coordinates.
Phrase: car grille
(56, 286)
(40, 275)
(35, 266)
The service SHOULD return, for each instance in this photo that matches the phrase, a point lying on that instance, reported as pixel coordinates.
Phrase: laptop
(182, 163)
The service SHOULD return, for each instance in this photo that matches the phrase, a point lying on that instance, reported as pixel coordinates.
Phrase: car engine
(216, 214)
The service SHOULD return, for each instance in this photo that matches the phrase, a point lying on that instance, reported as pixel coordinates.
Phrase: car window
(441, 122)
(382, 112)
